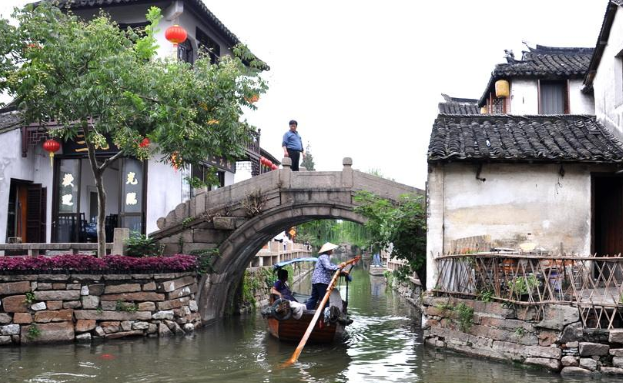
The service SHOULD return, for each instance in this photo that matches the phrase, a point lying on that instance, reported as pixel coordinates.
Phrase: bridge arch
(241, 218)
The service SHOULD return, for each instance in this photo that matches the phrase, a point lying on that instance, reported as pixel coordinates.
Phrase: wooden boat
(283, 326)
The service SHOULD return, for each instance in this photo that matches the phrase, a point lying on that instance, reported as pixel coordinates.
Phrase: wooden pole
(299, 348)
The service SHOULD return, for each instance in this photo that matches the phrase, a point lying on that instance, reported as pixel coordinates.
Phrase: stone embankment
(556, 340)
(66, 307)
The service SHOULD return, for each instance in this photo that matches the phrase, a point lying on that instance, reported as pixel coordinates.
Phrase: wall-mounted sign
(78, 147)
(221, 163)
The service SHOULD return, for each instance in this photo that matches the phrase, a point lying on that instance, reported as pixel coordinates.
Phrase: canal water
(384, 344)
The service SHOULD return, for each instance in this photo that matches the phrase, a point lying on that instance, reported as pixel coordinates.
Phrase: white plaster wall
(35, 167)
(514, 201)
(608, 83)
(524, 96)
(164, 192)
(580, 103)
(229, 178)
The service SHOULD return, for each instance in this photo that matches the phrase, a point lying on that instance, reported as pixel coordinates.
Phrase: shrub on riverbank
(90, 264)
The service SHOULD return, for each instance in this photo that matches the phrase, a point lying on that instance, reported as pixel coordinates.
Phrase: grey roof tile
(545, 138)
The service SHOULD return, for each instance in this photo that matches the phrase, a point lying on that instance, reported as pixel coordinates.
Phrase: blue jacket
(292, 141)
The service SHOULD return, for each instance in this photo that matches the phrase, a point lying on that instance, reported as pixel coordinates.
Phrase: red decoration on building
(144, 143)
(176, 34)
(51, 146)
(274, 167)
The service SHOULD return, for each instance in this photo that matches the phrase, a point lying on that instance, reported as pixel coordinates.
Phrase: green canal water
(384, 344)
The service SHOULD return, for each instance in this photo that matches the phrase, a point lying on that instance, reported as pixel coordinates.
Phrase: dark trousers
(318, 292)
(294, 155)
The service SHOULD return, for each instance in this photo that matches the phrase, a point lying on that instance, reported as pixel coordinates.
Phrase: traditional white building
(58, 203)
(541, 166)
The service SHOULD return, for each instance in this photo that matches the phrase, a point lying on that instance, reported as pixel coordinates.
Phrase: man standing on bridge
(293, 145)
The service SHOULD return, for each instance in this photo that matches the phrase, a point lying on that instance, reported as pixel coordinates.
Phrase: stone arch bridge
(239, 219)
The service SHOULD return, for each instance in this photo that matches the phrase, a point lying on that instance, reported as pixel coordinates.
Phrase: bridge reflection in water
(384, 345)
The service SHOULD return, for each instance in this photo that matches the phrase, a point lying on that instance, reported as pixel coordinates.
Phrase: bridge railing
(35, 249)
(593, 284)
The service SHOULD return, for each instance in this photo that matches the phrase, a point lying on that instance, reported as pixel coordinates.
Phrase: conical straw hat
(327, 247)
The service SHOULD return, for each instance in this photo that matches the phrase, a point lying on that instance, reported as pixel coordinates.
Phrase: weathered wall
(608, 82)
(66, 307)
(516, 202)
(554, 341)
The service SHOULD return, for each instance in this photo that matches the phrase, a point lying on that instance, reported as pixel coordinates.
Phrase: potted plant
(523, 286)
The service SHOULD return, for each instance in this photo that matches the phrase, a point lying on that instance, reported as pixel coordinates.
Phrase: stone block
(175, 328)
(13, 288)
(72, 305)
(153, 328)
(616, 336)
(22, 318)
(569, 361)
(552, 364)
(84, 325)
(173, 304)
(74, 286)
(140, 326)
(54, 316)
(124, 334)
(112, 315)
(224, 223)
(192, 305)
(5, 318)
(83, 338)
(547, 337)
(54, 305)
(57, 295)
(611, 371)
(5, 340)
(126, 325)
(170, 286)
(189, 327)
(151, 286)
(84, 290)
(50, 332)
(588, 363)
(617, 361)
(117, 277)
(572, 333)
(11, 329)
(573, 344)
(99, 331)
(44, 286)
(593, 349)
(163, 330)
(613, 351)
(15, 304)
(147, 306)
(59, 286)
(39, 306)
(110, 327)
(90, 301)
(556, 317)
(138, 296)
(124, 288)
(109, 305)
(161, 315)
(575, 371)
(97, 289)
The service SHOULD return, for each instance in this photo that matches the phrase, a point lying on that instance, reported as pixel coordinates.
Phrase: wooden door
(35, 213)
(608, 215)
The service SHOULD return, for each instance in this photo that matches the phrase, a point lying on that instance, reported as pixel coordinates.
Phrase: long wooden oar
(319, 311)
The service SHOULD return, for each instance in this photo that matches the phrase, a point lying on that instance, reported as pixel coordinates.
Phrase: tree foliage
(308, 161)
(100, 81)
(401, 224)
(321, 231)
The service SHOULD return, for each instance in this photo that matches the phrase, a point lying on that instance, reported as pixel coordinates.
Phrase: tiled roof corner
(509, 138)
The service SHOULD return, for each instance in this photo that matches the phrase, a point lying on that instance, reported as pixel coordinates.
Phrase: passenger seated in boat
(280, 288)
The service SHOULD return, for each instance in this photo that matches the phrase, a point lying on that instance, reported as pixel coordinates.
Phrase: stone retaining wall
(66, 307)
(557, 341)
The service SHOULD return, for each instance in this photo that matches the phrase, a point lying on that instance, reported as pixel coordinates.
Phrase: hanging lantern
(502, 89)
(51, 146)
(484, 110)
(176, 34)
(175, 160)
(145, 143)
(274, 167)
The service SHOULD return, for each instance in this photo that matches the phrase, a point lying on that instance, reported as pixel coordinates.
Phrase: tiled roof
(602, 40)
(9, 121)
(456, 105)
(500, 138)
(547, 61)
(542, 62)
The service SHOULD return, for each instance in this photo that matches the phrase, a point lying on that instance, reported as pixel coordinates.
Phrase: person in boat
(322, 274)
(281, 288)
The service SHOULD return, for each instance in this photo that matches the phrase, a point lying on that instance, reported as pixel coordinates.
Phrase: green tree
(401, 224)
(308, 161)
(100, 81)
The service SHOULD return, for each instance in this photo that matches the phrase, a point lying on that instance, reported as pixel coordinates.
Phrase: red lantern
(176, 34)
(274, 167)
(144, 143)
(269, 163)
(51, 146)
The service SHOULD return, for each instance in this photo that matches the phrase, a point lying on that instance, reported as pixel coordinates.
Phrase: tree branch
(110, 160)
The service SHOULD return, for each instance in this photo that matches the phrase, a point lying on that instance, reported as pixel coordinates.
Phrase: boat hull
(292, 330)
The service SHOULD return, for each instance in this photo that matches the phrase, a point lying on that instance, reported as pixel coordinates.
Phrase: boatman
(293, 145)
(322, 274)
